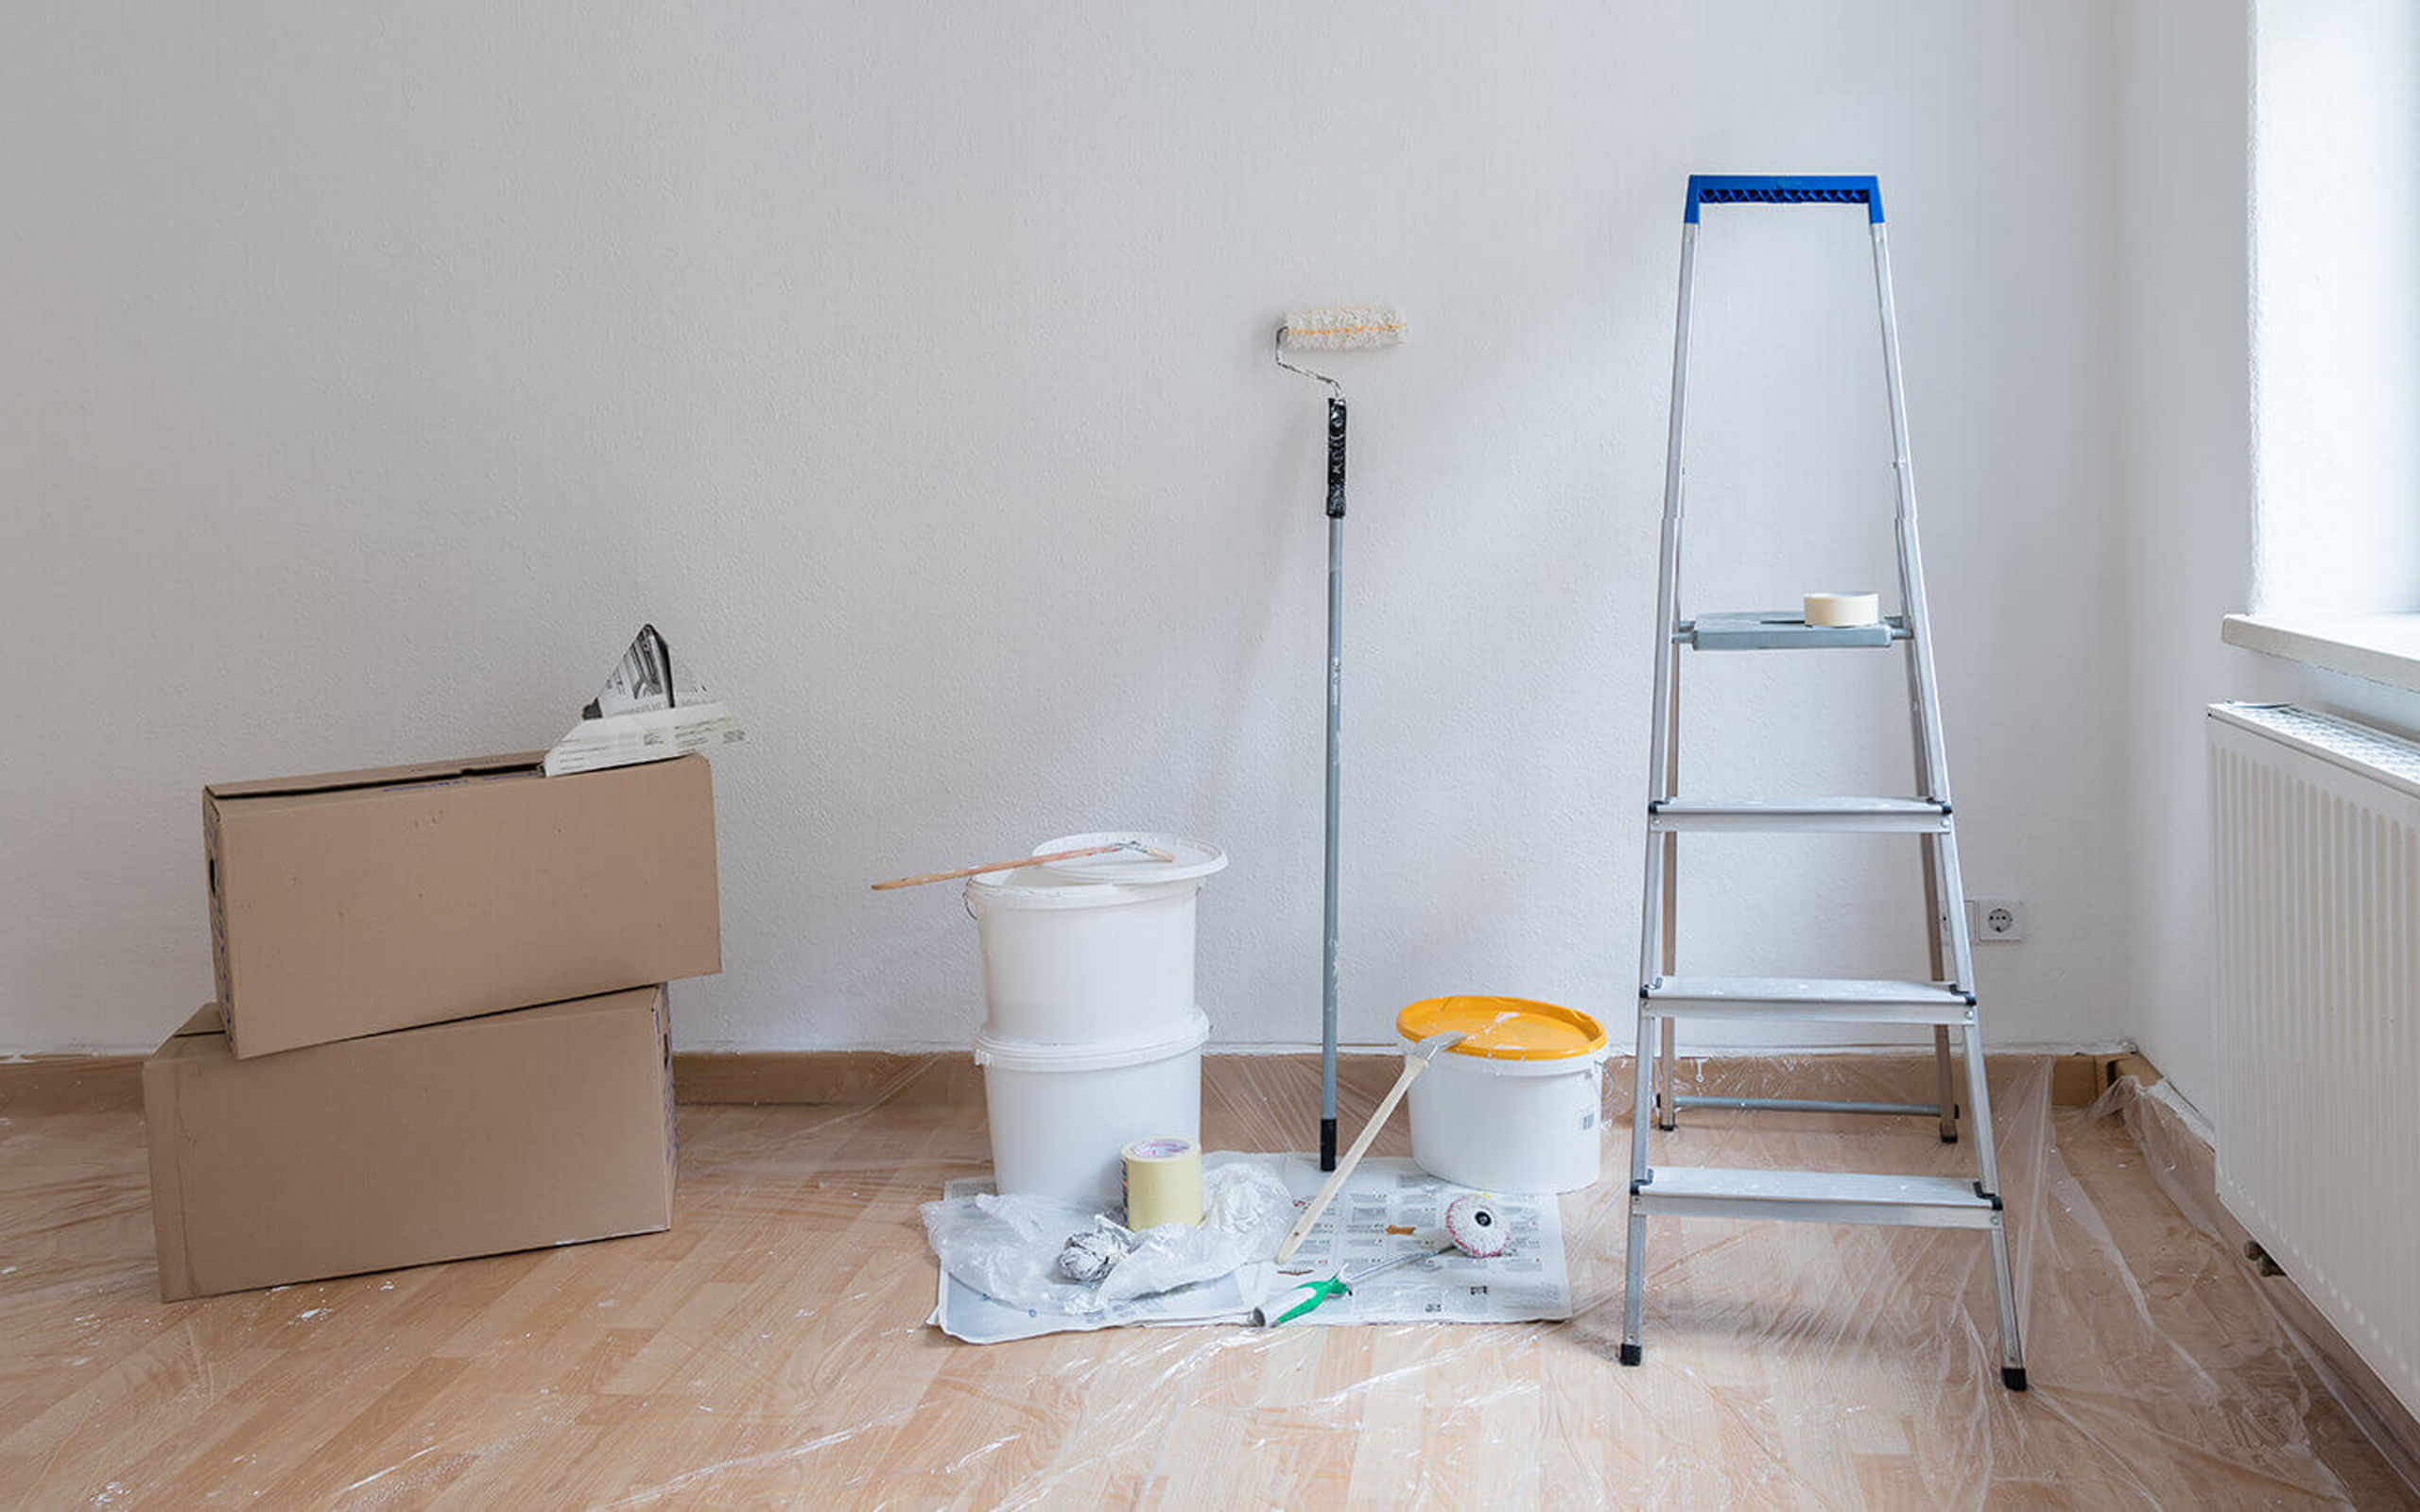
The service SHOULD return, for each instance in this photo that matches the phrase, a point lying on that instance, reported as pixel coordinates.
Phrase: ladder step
(1804, 1105)
(1783, 629)
(1827, 815)
(1839, 1000)
(1816, 1197)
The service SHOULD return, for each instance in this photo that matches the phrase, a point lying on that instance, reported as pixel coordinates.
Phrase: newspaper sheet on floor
(1528, 1283)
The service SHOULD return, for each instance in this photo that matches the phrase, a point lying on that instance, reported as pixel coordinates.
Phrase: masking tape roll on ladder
(1843, 611)
(1163, 1182)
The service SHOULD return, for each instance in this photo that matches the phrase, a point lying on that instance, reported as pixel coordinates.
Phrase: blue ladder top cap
(1769, 189)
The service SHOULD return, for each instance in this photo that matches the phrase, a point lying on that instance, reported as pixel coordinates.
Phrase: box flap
(377, 777)
(206, 1020)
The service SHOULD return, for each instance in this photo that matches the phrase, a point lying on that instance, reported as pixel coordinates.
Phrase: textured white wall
(2309, 507)
(369, 374)
(2185, 443)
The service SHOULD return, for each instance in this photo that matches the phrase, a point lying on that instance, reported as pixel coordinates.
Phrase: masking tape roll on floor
(1163, 1182)
(1841, 610)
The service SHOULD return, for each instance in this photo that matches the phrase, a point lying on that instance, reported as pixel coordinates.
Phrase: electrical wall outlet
(1996, 921)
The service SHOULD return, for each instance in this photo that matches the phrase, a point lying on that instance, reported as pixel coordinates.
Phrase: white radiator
(2317, 858)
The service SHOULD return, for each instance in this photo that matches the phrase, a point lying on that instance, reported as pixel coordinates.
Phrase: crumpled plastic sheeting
(771, 1348)
(1008, 1247)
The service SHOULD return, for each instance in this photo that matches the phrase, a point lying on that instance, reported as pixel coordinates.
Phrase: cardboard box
(363, 902)
(539, 1126)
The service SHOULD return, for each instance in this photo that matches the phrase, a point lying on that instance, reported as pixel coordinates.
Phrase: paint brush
(1415, 1060)
(1154, 851)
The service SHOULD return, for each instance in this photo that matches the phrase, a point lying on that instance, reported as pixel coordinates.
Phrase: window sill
(2380, 647)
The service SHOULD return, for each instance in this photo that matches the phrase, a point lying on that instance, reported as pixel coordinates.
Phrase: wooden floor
(771, 1348)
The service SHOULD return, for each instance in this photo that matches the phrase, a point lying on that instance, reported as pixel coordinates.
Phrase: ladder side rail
(1659, 786)
(1943, 847)
(1667, 1062)
(1979, 1097)
(1987, 1161)
(1943, 924)
(1911, 575)
(1936, 919)
(1667, 651)
(1667, 585)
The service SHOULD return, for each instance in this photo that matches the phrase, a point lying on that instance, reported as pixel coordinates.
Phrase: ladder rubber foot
(1668, 1127)
(1949, 1137)
(2012, 1376)
(1631, 1354)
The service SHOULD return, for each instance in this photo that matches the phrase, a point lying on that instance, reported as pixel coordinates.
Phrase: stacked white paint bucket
(1093, 1037)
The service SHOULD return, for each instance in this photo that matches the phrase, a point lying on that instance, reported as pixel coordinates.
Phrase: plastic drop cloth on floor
(771, 1348)
(1009, 1248)
(1001, 1255)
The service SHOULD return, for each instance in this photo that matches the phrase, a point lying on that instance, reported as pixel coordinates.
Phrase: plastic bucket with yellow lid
(1518, 1105)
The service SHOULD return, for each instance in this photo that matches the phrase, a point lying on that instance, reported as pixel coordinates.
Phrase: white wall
(2185, 415)
(2336, 307)
(2279, 485)
(368, 376)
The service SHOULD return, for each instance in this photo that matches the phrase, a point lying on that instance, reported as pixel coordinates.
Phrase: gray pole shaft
(1335, 775)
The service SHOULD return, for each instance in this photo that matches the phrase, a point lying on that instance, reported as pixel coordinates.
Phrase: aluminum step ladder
(1946, 1003)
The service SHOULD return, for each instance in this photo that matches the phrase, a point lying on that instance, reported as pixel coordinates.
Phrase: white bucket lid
(1194, 858)
(1034, 1055)
(1039, 887)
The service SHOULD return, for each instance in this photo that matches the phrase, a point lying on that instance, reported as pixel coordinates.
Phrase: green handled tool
(1308, 1295)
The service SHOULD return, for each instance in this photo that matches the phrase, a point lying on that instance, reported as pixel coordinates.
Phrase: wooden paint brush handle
(1153, 852)
(1412, 1068)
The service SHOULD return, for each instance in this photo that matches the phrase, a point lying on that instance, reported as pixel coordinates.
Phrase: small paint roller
(1476, 1227)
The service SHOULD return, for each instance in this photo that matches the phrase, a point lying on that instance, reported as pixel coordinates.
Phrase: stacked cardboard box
(441, 1028)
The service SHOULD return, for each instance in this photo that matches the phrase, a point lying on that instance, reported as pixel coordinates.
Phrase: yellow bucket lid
(1505, 1028)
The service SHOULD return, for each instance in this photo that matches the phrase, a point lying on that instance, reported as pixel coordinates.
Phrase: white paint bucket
(1517, 1107)
(1070, 960)
(1062, 1114)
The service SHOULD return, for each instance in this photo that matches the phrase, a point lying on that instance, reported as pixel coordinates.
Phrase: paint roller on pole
(1334, 328)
